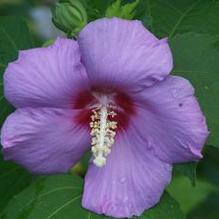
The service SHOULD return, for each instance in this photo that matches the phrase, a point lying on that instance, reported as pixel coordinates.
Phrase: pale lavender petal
(170, 120)
(132, 181)
(46, 77)
(121, 53)
(44, 140)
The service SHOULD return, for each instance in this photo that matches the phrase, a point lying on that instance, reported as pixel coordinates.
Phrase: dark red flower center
(119, 102)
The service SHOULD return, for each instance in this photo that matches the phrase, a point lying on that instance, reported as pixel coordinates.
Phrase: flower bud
(70, 16)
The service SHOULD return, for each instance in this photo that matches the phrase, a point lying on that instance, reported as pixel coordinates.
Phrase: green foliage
(50, 197)
(204, 209)
(14, 36)
(110, 8)
(187, 195)
(96, 8)
(209, 167)
(126, 11)
(171, 17)
(12, 180)
(188, 170)
(60, 197)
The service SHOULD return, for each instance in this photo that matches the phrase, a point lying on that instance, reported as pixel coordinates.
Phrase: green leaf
(96, 8)
(170, 17)
(126, 11)
(168, 208)
(13, 179)
(60, 197)
(207, 209)
(50, 197)
(187, 169)
(187, 195)
(209, 167)
(14, 36)
(196, 58)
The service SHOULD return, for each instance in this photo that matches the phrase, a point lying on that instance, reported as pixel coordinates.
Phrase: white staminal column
(103, 133)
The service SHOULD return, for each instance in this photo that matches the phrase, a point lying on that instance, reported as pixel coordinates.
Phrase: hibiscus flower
(110, 91)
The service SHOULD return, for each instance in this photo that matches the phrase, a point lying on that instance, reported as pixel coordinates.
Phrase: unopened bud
(70, 16)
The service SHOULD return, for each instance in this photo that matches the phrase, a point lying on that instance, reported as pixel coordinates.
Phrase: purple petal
(132, 181)
(46, 77)
(170, 120)
(121, 53)
(44, 140)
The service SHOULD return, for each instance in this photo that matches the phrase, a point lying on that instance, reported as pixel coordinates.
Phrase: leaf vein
(182, 17)
(47, 193)
(63, 206)
(10, 39)
(171, 6)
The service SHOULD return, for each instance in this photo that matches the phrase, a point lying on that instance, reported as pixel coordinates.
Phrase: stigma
(103, 131)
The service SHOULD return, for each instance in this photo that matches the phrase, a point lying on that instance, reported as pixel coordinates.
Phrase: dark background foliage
(192, 27)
